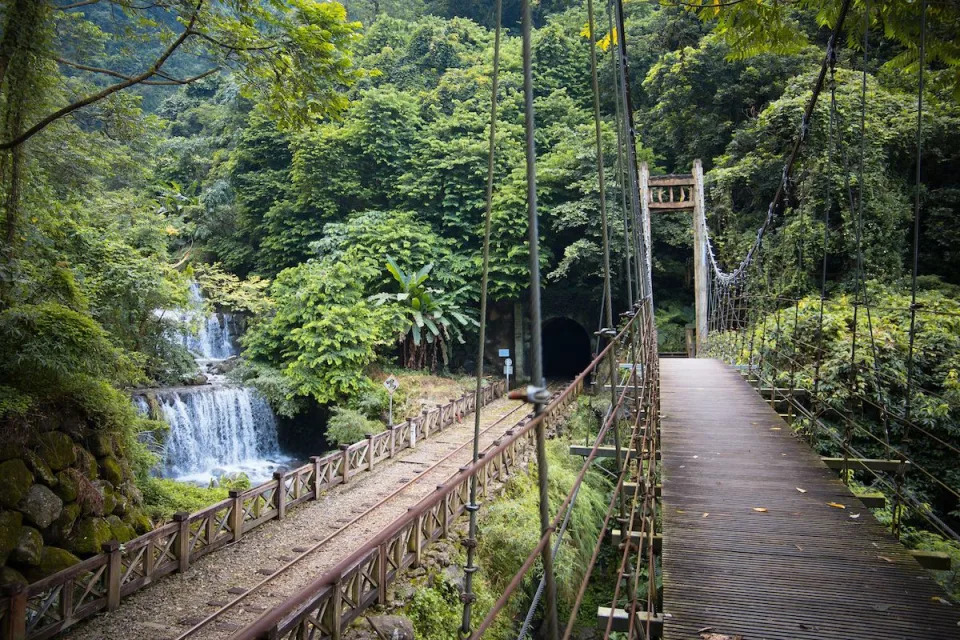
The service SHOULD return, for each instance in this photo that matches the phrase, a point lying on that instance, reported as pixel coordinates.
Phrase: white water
(215, 429)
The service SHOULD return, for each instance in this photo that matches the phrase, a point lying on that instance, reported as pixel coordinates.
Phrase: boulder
(57, 449)
(52, 560)
(41, 470)
(87, 464)
(9, 575)
(88, 536)
(10, 450)
(223, 367)
(111, 471)
(392, 627)
(10, 525)
(59, 531)
(121, 531)
(15, 481)
(194, 379)
(101, 444)
(138, 520)
(109, 498)
(67, 486)
(29, 547)
(41, 506)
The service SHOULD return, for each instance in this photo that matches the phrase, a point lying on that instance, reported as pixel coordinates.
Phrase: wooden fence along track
(47, 607)
(325, 607)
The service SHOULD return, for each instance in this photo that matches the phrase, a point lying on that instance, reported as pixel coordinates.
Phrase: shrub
(347, 426)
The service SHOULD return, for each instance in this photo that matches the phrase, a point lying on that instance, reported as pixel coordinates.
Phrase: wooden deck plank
(802, 569)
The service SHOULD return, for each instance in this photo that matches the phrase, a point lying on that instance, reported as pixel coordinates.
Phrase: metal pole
(536, 343)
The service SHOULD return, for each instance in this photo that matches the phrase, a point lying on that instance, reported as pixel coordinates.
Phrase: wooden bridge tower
(683, 192)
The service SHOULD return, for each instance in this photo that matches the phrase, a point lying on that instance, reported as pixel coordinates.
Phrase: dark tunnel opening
(566, 348)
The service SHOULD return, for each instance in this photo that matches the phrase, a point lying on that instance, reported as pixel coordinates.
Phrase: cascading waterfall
(216, 429)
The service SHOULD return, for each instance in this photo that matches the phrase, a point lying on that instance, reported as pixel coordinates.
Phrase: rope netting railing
(869, 372)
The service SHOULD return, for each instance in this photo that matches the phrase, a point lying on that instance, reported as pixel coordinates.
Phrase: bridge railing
(45, 608)
(325, 607)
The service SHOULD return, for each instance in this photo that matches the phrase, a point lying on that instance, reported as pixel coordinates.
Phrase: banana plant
(429, 319)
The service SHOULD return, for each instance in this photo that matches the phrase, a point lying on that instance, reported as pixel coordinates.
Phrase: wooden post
(317, 480)
(382, 574)
(15, 621)
(519, 350)
(691, 334)
(112, 550)
(346, 462)
(416, 539)
(411, 434)
(370, 452)
(700, 268)
(236, 516)
(444, 514)
(182, 548)
(336, 629)
(426, 424)
(280, 495)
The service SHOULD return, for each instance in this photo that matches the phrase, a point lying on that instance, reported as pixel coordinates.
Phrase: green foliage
(323, 332)
(347, 426)
(224, 289)
(430, 318)
(164, 497)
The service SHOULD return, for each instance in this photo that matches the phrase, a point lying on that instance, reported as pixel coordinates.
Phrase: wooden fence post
(416, 539)
(382, 574)
(280, 495)
(317, 480)
(346, 462)
(412, 433)
(112, 549)
(444, 514)
(370, 452)
(15, 621)
(182, 548)
(336, 624)
(425, 423)
(236, 516)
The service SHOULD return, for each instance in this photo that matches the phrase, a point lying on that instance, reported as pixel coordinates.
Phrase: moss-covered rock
(41, 470)
(137, 519)
(52, 560)
(9, 575)
(10, 525)
(29, 547)
(88, 536)
(57, 449)
(41, 506)
(15, 481)
(109, 498)
(111, 471)
(122, 532)
(87, 464)
(101, 444)
(60, 530)
(67, 486)
(10, 450)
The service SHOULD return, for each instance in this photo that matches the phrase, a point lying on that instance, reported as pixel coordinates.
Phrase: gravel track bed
(165, 610)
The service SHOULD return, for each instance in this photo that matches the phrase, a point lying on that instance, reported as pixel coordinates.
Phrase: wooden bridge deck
(800, 570)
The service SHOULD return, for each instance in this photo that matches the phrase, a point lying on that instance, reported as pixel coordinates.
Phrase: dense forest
(318, 169)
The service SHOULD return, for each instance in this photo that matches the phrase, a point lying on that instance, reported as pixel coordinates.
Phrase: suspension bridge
(725, 521)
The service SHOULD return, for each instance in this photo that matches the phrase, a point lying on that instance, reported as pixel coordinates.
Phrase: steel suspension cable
(536, 338)
(470, 542)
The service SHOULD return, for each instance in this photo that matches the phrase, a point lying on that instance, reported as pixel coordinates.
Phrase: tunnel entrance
(566, 348)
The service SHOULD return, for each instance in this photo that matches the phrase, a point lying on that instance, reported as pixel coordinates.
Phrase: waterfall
(216, 334)
(217, 430)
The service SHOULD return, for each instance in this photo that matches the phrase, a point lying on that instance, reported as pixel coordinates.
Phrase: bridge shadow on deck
(800, 570)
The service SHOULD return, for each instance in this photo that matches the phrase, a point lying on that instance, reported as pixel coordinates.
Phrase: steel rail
(265, 625)
(316, 547)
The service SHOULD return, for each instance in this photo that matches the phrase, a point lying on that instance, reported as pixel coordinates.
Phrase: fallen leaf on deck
(705, 515)
(854, 515)
(881, 607)
(719, 636)
(885, 558)
(939, 599)
(774, 428)
(760, 509)
(798, 547)
(704, 629)
(801, 490)
(836, 505)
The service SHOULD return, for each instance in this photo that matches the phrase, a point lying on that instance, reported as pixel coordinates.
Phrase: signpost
(507, 370)
(391, 384)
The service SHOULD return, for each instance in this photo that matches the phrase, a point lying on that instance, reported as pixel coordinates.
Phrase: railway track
(363, 507)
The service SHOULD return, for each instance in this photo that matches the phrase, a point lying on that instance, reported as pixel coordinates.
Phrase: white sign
(507, 369)
(392, 384)
(504, 353)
